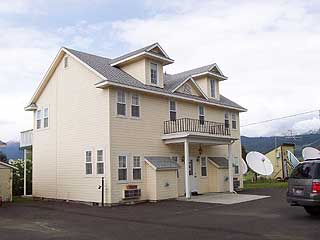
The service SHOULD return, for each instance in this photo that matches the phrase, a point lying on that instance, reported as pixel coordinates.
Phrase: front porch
(189, 132)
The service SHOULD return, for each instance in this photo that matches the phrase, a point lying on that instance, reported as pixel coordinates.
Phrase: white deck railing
(26, 139)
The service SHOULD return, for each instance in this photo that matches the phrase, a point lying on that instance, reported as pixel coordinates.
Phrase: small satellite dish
(259, 163)
(292, 159)
(309, 153)
(244, 166)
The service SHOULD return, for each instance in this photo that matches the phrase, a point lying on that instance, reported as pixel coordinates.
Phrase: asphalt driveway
(269, 218)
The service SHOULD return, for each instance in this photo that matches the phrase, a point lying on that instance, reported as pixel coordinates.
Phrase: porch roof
(220, 162)
(161, 163)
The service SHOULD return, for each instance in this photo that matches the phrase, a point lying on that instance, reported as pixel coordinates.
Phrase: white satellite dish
(292, 159)
(309, 153)
(244, 166)
(259, 163)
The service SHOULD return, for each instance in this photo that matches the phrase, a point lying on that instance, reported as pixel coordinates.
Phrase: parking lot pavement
(269, 218)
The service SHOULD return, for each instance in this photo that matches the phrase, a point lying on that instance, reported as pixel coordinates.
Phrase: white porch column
(230, 164)
(186, 168)
(25, 172)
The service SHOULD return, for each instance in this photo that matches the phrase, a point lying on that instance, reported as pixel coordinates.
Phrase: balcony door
(193, 174)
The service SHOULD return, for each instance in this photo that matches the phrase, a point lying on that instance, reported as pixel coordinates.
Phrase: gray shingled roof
(116, 75)
(134, 53)
(220, 161)
(162, 162)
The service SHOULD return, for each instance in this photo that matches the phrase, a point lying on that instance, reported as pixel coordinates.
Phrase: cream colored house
(6, 177)
(279, 159)
(150, 134)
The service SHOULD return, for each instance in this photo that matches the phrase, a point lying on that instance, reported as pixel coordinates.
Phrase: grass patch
(264, 184)
(19, 199)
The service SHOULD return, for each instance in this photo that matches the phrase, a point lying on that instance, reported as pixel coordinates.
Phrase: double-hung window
(100, 162)
(201, 114)
(122, 168)
(213, 88)
(88, 156)
(135, 105)
(173, 110)
(38, 118)
(226, 120)
(46, 117)
(121, 103)
(234, 120)
(154, 73)
(236, 165)
(136, 170)
(204, 167)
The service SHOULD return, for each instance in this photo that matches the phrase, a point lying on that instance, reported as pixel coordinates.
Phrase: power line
(280, 118)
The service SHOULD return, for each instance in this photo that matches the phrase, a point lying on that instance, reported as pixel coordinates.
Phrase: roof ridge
(190, 70)
(91, 54)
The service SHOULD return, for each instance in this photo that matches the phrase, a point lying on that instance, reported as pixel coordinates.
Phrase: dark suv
(304, 186)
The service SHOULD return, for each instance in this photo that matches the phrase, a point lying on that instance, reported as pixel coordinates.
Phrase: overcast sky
(270, 50)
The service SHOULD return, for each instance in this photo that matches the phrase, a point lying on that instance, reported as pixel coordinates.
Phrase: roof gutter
(106, 84)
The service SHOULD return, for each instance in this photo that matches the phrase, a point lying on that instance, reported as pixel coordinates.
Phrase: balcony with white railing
(26, 139)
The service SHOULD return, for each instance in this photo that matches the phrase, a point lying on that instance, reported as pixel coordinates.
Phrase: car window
(306, 170)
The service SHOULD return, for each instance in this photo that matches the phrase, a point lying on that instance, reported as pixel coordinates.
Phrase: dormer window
(154, 73)
(213, 88)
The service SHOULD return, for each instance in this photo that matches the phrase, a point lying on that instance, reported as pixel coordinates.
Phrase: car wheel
(313, 211)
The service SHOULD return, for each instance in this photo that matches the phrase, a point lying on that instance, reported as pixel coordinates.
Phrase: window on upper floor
(46, 117)
(226, 120)
(135, 105)
(234, 120)
(213, 88)
(88, 162)
(122, 168)
(154, 73)
(201, 114)
(172, 110)
(121, 103)
(38, 119)
(100, 162)
(136, 170)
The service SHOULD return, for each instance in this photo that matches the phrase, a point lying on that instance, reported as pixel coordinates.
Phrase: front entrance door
(193, 175)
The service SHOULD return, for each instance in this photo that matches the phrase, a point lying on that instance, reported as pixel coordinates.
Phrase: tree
(18, 175)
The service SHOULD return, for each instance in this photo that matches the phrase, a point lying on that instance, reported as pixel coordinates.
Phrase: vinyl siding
(143, 136)
(78, 120)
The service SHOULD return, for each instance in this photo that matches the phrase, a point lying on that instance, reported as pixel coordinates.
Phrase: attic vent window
(213, 88)
(66, 63)
(187, 88)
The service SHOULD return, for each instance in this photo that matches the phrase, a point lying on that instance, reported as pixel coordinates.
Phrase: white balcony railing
(26, 139)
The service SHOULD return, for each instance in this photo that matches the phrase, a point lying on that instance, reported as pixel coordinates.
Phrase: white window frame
(118, 159)
(124, 103)
(175, 104)
(39, 118)
(234, 119)
(103, 161)
(204, 166)
(86, 162)
(135, 105)
(45, 117)
(66, 62)
(157, 73)
(202, 115)
(214, 86)
(227, 118)
(137, 168)
(236, 162)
